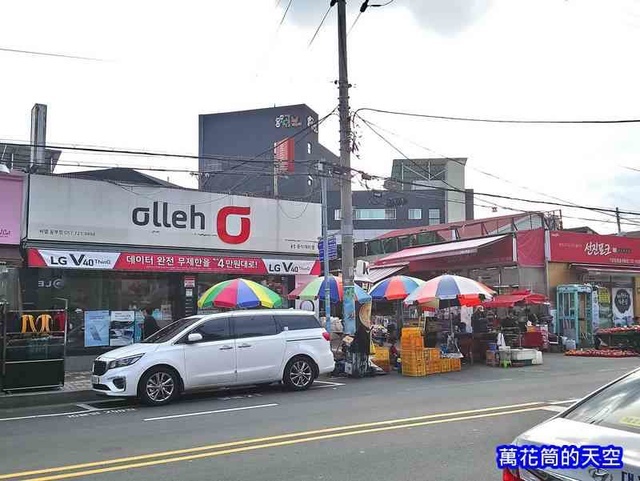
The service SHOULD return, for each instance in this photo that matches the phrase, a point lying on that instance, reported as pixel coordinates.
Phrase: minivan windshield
(168, 332)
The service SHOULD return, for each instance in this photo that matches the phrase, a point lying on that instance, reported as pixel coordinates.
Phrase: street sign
(333, 248)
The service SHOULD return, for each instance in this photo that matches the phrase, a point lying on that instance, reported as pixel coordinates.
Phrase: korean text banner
(73, 210)
(11, 208)
(594, 249)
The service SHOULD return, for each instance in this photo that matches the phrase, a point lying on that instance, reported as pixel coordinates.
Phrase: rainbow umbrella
(315, 289)
(448, 290)
(394, 288)
(241, 293)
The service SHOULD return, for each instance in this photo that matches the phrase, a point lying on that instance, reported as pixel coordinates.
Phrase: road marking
(557, 409)
(279, 437)
(87, 407)
(254, 447)
(217, 411)
(330, 383)
(568, 401)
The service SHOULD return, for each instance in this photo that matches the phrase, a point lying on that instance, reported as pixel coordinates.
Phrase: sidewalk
(77, 388)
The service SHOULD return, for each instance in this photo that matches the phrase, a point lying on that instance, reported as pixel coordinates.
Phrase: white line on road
(87, 407)
(212, 412)
(557, 409)
(38, 416)
(565, 402)
(329, 383)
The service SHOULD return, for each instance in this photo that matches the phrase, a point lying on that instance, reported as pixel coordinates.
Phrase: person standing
(150, 325)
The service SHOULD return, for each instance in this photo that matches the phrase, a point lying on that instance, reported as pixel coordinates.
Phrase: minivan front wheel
(158, 386)
(299, 373)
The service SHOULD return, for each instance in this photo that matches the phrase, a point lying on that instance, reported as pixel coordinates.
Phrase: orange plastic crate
(434, 367)
(456, 364)
(432, 354)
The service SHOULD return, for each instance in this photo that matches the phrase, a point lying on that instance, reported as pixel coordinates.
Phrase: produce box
(434, 367)
(456, 364)
(523, 354)
(432, 354)
(381, 353)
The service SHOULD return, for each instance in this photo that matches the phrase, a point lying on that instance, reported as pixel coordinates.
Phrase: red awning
(434, 251)
(516, 297)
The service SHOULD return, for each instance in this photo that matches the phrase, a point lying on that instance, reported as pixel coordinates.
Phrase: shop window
(415, 214)
(309, 148)
(337, 215)
(214, 330)
(249, 325)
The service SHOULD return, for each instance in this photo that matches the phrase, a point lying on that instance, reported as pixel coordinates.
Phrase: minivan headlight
(125, 361)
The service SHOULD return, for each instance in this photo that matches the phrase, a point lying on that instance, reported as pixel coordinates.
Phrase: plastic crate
(432, 354)
(434, 367)
(419, 372)
(381, 353)
(411, 331)
(456, 364)
(445, 364)
(413, 355)
(412, 343)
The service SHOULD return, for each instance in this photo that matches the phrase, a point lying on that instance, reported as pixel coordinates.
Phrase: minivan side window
(247, 325)
(298, 322)
(214, 330)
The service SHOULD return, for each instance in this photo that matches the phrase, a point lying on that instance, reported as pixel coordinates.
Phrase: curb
(49, 398)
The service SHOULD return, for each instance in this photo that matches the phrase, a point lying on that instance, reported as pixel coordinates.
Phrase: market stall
(437, 300)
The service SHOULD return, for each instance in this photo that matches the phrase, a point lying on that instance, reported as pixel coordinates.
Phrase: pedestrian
(150, 324)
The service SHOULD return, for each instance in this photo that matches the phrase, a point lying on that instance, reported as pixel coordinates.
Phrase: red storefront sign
(153, 262)
(594, 249)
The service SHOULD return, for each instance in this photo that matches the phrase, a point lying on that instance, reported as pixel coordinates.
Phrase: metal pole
(618, 220)
(325, 241)
(349, 308)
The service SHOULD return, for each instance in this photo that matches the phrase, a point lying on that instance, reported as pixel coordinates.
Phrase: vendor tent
(516, 297)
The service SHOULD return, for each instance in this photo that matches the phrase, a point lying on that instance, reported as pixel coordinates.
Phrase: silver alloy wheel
(160, 386)
(301, 374)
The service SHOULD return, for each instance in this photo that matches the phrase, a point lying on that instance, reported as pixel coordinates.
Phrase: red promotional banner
(153, 262)
(594, 249)
(283, 154)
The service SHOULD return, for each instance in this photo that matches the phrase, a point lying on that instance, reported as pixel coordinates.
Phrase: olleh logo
(160, 215)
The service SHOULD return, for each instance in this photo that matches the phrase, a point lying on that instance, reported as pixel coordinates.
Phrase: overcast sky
(166, 62)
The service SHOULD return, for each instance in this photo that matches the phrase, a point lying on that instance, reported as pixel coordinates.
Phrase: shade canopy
(448, 291)
(239, 293)
(395, 288)
(524, 297)
(316, 289)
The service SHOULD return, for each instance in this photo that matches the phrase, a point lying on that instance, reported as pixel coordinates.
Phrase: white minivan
(224, 349)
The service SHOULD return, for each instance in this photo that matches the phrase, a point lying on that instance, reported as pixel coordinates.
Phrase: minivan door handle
(226, 348)
(244, 345)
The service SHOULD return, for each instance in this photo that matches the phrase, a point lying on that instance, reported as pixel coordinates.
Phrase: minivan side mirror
(194, 337)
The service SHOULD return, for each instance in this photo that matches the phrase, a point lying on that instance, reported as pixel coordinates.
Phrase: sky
(161, 64)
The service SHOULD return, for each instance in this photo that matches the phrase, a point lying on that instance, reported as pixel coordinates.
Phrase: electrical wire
(326, 14)
(49, 54)
(488, 174)
(355, 22)
(496, 121)
(286, 11)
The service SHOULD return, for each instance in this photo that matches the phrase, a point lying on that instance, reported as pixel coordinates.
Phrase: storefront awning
(608, 270)
(377, 274)
(434, 251)
(510, 300)
(10, 255)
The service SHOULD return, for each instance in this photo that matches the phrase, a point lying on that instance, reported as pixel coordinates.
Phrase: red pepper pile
(601, 353)
(616, 330)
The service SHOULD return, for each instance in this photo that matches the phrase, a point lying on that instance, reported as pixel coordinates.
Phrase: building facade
(238, 154)
(105, 251)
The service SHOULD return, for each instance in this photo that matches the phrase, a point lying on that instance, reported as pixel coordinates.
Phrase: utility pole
(325, 241)
(618, 220)
(346, 228)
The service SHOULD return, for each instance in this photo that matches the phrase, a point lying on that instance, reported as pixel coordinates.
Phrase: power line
(49, 54)
(355, 22)
(496, 121)
(458, 161)
(326, 14)
(286, 11)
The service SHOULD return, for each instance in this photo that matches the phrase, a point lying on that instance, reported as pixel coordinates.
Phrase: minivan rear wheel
(158, 386)
(299, 373)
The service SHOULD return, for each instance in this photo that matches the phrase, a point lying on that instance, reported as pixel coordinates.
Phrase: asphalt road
(393, 427)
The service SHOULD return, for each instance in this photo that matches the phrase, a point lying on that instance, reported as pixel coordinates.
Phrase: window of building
(337, 215)
(309, 148)
(415, 214)
(375, 214)
(434, 216)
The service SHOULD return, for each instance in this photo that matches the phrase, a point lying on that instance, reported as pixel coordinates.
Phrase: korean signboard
(284, 156)
(11, 210)
(594, 249)
(73, 210)
(153, 262)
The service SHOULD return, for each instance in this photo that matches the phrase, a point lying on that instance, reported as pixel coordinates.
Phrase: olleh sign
(85, 211)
